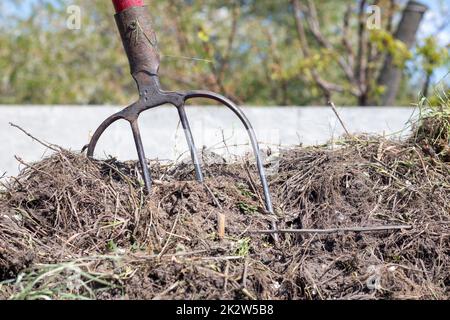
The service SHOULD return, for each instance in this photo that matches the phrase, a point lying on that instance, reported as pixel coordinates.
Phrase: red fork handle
(122, 5)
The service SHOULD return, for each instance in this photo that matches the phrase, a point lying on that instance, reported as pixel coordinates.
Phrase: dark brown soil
(74, 228)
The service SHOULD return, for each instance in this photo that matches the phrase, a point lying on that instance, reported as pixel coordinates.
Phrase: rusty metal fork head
(140, 43)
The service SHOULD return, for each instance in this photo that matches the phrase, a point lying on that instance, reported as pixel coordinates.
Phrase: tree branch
(218, 72)
(346, 37)
(226, 58)
(314, 26)
(325, 86)
(361, 67)
(390, 16)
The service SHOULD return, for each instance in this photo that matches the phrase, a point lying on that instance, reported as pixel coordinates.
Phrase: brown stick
(34, 138)
(161, 295)
(31, 166)
(333, 230)
(221, 225)
(338, 116)
(216, 202)
(245, 274)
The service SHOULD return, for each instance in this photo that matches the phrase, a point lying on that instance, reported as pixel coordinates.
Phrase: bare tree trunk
(390, 76)
(426, 85)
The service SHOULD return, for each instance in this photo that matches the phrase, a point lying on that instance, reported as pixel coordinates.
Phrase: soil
(73, 228)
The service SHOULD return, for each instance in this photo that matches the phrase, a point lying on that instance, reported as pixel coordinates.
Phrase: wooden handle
(139, 39)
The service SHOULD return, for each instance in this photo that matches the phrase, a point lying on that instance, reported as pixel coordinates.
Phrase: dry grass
(72, 228)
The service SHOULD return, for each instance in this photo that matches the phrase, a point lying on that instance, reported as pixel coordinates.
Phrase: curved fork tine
(97, 134)
(141, 154)
(137, 139)
(190, 142)
(251, 133)
(254, 141)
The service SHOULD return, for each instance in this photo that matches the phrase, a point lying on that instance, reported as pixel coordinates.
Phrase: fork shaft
(139, 40)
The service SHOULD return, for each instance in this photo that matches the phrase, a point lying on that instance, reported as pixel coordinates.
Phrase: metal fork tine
(251, 133)
(140, 150)
(144, 59)
(255, 146)
(190, 142)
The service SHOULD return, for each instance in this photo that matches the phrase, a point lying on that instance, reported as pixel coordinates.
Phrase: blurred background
(256, 52)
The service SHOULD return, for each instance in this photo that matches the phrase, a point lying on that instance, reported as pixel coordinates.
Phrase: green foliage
(64, 281)
(243, 247)
(434, 118)
(111, 246)
(385, 42)
(431, 127)
(248, 50)
(433, 56)
(245, 191)
(247, 208)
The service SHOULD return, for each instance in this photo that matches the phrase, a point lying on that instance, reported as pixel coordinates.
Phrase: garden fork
(140, 43)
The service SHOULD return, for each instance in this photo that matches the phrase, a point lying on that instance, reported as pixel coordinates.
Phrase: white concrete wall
(71, 126)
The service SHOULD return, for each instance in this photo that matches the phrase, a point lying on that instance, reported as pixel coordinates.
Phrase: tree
(359, 66)
(286, 52)
(433, 56)
(391, 73)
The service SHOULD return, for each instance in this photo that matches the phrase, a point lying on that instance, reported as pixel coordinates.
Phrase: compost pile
(74, 228)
